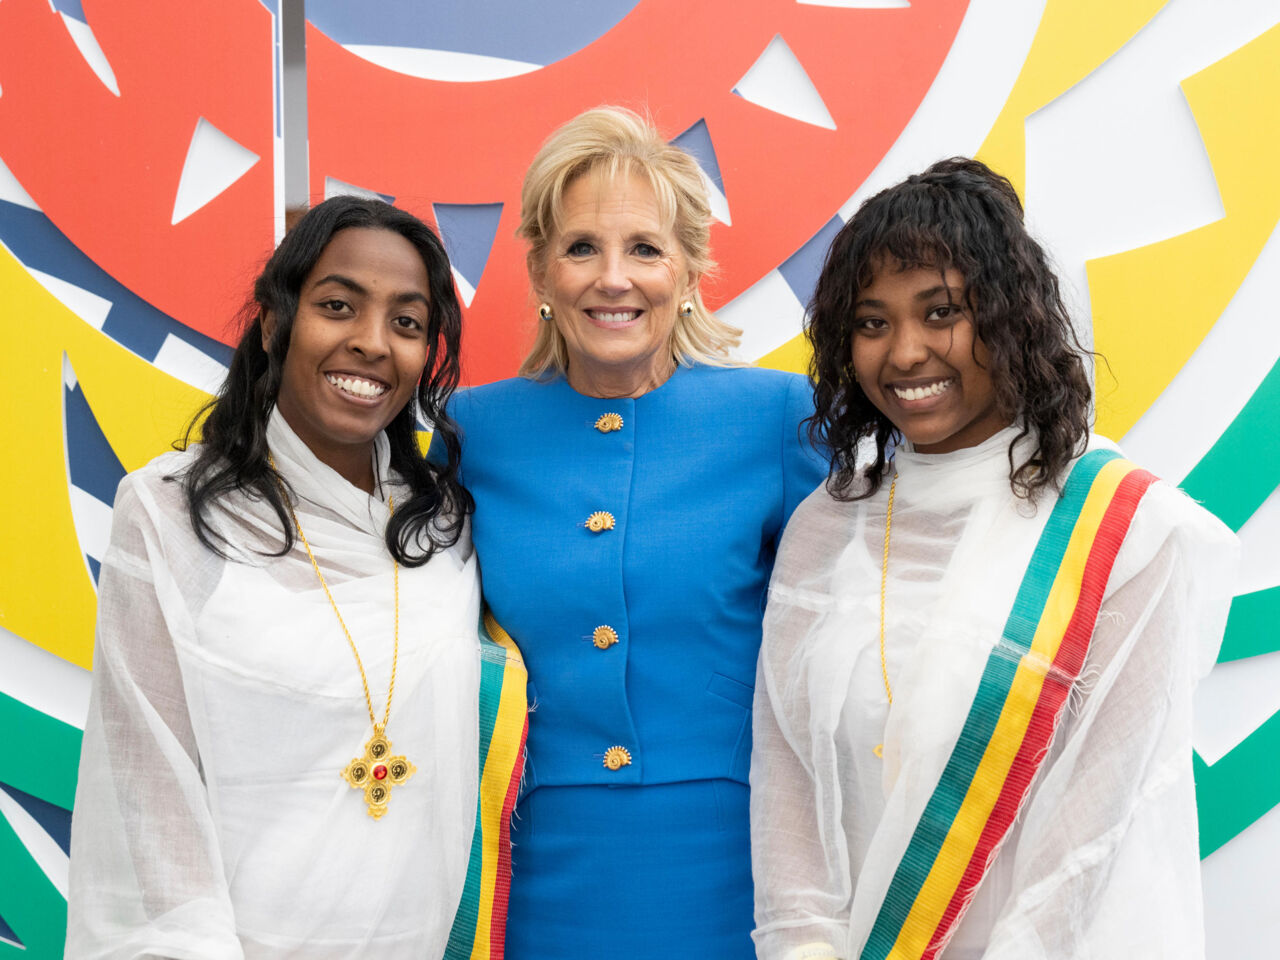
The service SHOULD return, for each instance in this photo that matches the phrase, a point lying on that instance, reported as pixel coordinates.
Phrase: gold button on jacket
(604, 637)
(609, 422)
(600, 521)
(615, 758)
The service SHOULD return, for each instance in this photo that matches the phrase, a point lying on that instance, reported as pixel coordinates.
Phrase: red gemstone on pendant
(380, 772)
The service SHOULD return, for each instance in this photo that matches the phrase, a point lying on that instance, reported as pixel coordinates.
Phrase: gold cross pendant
(377, 771)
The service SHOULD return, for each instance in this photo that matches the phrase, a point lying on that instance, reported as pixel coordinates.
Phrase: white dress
(1103, 860)
(211, 820)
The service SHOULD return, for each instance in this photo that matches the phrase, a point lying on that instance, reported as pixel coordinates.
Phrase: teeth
(615, 317)
(919, 393)
(356, 387)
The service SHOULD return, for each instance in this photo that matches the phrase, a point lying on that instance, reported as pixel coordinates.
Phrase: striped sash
(480, 925)
(1014, 714)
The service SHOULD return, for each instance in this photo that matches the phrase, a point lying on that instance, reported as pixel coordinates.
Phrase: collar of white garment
(317, 482)
(961, 474)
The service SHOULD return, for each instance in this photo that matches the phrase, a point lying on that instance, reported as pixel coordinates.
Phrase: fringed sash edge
(479, 926)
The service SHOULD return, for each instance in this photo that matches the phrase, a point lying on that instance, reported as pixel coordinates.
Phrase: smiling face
(614, 277)
(918, 359)
(357, 348)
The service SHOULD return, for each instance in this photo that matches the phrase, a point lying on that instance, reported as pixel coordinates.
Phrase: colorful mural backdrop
(142, 184)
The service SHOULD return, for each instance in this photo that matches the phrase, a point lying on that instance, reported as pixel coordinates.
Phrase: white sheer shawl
(1103, 861)
(210, 817)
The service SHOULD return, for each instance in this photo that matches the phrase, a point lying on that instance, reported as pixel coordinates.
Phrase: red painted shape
(105, 169)
(426, 142)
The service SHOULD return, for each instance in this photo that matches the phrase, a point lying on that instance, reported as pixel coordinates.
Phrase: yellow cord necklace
(377, 771)
(884, 584)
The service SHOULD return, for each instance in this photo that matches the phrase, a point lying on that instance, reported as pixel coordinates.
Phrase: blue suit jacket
(700, 480)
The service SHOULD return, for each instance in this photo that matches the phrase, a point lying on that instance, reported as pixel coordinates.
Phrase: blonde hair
(612, 142)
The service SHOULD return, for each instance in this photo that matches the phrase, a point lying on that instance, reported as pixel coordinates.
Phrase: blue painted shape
(94, 466)
(132, 322)
(467, 230)
(72, 8)
(95, 568)
(512, 29)
(697, 142)
(6, 933)
(53, 820)
(802, 268)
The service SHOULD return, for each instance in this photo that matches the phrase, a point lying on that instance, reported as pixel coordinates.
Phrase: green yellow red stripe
(1067, 664)
(1023, 687)
(479, 927)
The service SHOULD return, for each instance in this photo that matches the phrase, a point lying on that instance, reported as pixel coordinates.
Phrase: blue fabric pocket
(735, 691)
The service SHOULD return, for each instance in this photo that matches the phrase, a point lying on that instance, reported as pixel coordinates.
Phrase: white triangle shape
(214, 162)
(1231, 703)
(716, 200)
(465, 290)
(777, 82)
(333, 187)
(41, 847)
(85, 304)
(89, 48)
(12, 191)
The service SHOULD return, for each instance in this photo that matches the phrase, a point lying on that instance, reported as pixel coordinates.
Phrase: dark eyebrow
(409, 296)
(953, 294)
(932, 292)
(343, 281)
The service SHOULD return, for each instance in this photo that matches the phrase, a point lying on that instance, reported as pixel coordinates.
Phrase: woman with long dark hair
(281, 752)
(972, 724)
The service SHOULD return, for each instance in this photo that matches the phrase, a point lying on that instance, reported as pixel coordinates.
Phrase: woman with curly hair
(972, 723)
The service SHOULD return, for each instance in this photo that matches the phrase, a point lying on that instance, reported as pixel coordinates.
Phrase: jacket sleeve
(803, 467)
(146, 875)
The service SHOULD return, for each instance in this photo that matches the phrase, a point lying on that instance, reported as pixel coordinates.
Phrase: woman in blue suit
(631, 486)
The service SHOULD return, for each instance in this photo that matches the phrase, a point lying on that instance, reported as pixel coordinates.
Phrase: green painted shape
(29, 903)
(1239, 788)
(38, 754)
(1243, 467)
(1253, 628)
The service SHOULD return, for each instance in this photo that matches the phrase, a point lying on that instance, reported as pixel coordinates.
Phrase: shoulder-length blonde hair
(614, 141)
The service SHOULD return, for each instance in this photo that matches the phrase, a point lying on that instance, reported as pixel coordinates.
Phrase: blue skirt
(632, 873)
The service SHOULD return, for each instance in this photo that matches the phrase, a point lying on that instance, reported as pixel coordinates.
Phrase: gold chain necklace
(884, 584)
(377, 771)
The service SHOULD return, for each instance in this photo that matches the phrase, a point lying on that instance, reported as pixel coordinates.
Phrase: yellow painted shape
(1006, 740)
(1154, 305)
(46, 593)
(793, 356)
(1073, 39)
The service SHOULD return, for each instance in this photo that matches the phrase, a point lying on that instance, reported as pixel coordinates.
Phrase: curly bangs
(959, 215)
